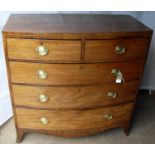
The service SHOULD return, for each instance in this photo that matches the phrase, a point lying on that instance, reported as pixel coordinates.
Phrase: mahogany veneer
(74, 75)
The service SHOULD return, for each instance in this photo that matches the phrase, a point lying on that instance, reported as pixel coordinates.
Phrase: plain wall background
(148, 82)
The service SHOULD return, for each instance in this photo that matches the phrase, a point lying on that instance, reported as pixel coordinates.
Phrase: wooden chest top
(75, 26)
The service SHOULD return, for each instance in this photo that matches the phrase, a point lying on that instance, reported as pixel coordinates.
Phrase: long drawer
(74, 97)
(52, 50)
(122, 49)
(73, 119)
(74, 74)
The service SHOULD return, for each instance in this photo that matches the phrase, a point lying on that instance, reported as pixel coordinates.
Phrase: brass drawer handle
(118, 74)
(112, 94)
(115, 71)
(42, 74)
(108, 117)
(119, 49)
(43, 120)
(41, 50)
(43, 98)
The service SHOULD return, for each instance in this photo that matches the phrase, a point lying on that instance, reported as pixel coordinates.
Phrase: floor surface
(142, 130)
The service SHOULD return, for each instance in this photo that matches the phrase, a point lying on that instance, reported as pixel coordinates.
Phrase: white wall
(5, 102)
(149, 74)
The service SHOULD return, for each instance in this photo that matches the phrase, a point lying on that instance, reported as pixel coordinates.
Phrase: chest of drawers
(74, 75)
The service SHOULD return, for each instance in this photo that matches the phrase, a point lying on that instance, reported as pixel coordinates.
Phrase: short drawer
(73, 119)
(51, 50)
(124, 49)
(74, 74)
(74, 97)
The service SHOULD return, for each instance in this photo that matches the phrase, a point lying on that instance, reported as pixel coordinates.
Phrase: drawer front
(74, 97)
(31, 49)
(116, 49)
(73, 119)
(74, 74)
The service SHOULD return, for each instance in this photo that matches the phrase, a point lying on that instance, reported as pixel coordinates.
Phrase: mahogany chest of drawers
(74, 75)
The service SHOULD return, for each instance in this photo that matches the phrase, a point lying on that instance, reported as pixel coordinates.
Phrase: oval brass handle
(112, 94)
(43, 98)
(115, 71)
(108, 117)
(42, 50)
(44, 120)
(42, 74)
(120, 49)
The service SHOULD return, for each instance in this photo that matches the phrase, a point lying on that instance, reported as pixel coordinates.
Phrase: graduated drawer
(73, 119)
(122, 49)
(73, 74)
(74, 97)
(27, 49)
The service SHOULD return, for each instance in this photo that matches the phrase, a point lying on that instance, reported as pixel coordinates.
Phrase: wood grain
(79, 71)
(74, 97)
(73, 119)
(74, 26)
(74, 74)
(105, 49)
(57, 49)
(9, 82)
